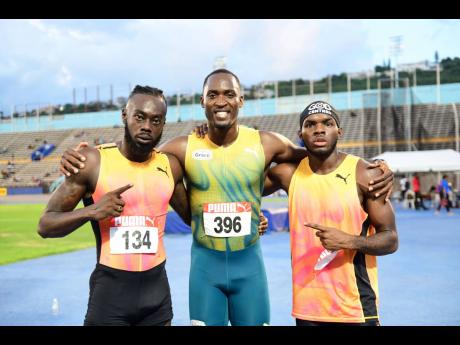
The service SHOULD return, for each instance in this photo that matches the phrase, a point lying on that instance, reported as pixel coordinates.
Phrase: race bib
(227, 219)
(133, 239)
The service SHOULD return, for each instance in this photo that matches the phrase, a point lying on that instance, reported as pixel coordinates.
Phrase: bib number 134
(133, 239)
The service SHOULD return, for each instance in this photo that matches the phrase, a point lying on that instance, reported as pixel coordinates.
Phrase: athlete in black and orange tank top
(126, 188)
(334, 267)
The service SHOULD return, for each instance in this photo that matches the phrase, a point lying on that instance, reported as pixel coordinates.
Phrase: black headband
(319, 107)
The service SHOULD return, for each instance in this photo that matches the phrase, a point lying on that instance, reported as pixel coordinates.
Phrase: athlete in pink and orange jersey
(328, 192)
(126, 189)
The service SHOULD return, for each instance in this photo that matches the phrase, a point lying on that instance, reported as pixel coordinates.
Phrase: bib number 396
(227, 219)
(133, 239)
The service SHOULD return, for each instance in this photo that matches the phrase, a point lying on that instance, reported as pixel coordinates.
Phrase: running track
(418, 284)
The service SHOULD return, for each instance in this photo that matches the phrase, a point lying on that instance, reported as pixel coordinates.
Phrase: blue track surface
(418, 284)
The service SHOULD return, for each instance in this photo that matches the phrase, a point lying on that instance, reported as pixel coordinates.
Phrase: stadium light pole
(74, 98)
(438, 82)
(349, 90)
(193, 105)
(311, 87)
(409, 114)
(276, 97)
(13, 111)
(86, 103)
(396, 51)
(178, 105)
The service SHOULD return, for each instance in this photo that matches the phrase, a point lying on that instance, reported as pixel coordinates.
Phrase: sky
(42, 61)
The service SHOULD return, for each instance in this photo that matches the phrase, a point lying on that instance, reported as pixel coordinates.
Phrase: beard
(141, 149)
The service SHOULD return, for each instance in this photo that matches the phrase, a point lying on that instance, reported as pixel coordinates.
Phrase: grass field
(19, 239)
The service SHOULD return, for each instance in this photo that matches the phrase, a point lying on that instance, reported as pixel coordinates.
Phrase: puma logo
(163, 170)
(343, 178)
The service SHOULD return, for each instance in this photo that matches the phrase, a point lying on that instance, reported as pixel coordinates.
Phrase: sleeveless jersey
(126, 242)
(233, 175)
(346, 289)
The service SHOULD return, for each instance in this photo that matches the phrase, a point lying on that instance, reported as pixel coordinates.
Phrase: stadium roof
(422, 161)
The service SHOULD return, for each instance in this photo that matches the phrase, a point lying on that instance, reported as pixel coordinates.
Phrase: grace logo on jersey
(202, 155)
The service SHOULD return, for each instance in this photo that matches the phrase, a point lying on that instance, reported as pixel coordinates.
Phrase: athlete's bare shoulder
(273, 137)
(93, 158)
(364, 173)
(176, 147)
(280, 149)
(175, 165)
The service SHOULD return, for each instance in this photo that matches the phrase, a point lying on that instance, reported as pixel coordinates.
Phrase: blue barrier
(24, 190)
(278, 219)
(175, 225)
(42, 152)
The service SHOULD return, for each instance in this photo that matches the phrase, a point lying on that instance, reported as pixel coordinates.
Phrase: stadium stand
(432, 127)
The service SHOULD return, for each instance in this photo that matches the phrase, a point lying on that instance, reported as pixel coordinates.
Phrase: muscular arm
(381, 216)
(279, 177)
(179, 200)
(279, 149)
(59, 218)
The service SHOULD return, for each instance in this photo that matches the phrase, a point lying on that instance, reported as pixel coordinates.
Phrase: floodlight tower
(395, 50)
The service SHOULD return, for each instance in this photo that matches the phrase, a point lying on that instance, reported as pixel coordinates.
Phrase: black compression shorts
(373, 322)
(118, 297)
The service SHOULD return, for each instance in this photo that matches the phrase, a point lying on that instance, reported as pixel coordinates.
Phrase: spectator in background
(99, 141)
(79, 134)
(451, 196)
(10, 168)
(444, 191)
(418, 196)
(404, 184)
(434, 196)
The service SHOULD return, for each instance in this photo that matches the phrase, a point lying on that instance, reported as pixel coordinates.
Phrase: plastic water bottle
(55, 306)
